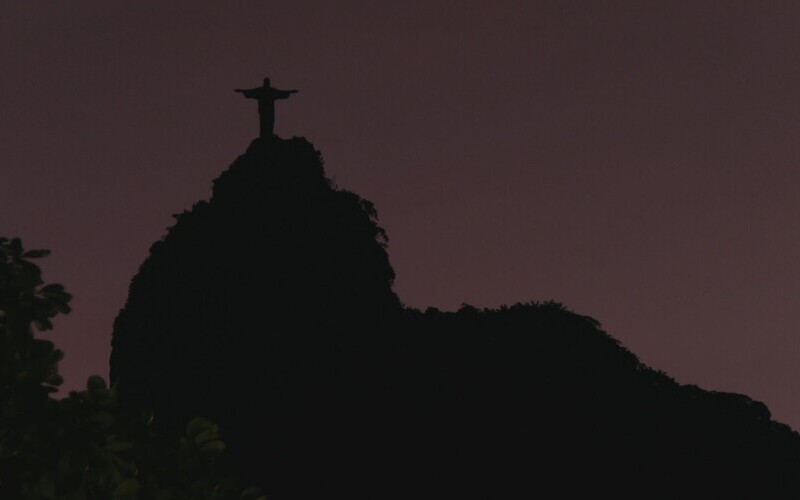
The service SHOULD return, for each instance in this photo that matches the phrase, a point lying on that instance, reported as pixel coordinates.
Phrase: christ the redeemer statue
(266, 96)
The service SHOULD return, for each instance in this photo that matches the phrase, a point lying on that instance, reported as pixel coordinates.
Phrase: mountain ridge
(270, 309)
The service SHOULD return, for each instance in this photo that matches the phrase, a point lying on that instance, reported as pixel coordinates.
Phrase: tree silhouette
(84, 446)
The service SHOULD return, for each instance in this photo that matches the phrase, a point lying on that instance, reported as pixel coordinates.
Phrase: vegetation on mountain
(269, 308)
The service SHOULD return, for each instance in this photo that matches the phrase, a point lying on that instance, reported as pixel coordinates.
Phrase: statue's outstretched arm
(249, 93)
(282, 94)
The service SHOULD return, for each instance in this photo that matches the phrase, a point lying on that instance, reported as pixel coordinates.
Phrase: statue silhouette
(266, 96)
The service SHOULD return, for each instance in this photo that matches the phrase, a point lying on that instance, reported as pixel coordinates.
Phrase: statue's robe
(266, 97)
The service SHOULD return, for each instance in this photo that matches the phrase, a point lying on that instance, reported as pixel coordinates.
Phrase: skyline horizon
(635, 163)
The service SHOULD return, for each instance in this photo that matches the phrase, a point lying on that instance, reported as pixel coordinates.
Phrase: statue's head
(266, 83)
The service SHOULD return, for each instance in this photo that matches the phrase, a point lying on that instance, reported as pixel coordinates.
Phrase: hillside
(269, 308)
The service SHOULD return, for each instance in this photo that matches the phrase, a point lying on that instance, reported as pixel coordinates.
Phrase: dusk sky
(637, 161)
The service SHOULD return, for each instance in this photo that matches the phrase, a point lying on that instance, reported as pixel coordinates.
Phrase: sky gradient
(637, 161)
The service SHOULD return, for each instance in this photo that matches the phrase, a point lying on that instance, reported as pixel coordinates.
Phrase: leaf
(197, 425)
(53, 288)
(95, 383)
(122, 465)
(103, 419)
(62, 307)
(210, 434)
(126, 488)
(36, 254)
(15, 246)
(213, 447)
(43, 324)
(30, 275)
(148, 417)
(117, 446)
(253, 493)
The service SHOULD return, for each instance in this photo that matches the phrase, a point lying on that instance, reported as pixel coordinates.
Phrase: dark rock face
(270, 309)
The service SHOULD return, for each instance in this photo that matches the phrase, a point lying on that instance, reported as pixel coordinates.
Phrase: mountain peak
(269, 308)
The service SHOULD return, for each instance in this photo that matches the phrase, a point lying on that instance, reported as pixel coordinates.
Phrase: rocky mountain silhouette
(270, 309)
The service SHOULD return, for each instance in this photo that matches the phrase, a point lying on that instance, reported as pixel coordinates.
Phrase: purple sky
(637, 161)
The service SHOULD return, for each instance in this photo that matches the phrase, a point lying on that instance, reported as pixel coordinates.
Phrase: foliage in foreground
(84, 446)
